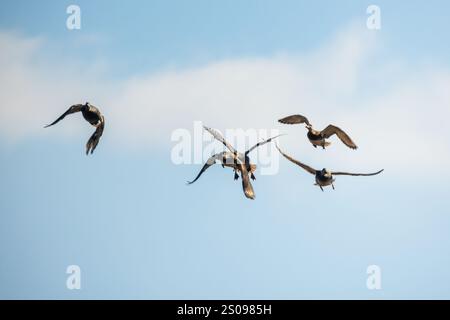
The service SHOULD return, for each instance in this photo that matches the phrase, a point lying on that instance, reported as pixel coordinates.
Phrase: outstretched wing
(330, 130)
(219, 137)
(261, 143)
(211, 161)
(356, 174)
(72, 109)
(95, 138)
(295, 119)
(304, 166)
(246, 184)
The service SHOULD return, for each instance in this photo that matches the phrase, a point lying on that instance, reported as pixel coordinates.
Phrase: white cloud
(396, 115)
(35, 90)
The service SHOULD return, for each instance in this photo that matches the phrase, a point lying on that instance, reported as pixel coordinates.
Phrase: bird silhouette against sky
(92, 115)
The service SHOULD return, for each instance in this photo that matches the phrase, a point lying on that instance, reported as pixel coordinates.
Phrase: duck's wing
(95, 138)
(295, 119)
(246, 184)
(219, 137)
(261, 143)
(356, 174)
(331, 130)
(304, 166)
(211, 161)
(72, 109)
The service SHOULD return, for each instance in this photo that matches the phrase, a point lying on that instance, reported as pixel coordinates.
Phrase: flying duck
(240, 163)
(325, 177)
(92, 115)
(318, 138)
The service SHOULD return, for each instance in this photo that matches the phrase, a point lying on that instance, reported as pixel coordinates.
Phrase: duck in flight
(92, 115)
(325, 177)
(240, 163)
(318, 138)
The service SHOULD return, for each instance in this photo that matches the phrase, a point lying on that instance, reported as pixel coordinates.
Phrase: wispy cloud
(397, 119)
(35, 88)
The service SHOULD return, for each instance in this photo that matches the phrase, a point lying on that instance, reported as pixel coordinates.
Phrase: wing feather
(304, 166)
(211, 161)
(356, 174)
(295, 119)
(261, 143)
(95, 138)
(331, 130)
(72, 109)
(219, 137)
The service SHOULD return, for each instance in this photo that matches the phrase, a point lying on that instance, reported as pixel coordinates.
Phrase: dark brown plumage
(239, 162)
(92, 115)
(318, 138)
(324, 177)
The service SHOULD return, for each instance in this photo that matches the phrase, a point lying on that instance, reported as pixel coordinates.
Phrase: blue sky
(125, 215)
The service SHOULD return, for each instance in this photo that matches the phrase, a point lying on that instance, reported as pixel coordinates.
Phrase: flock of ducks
(239, 162)
(241, 165)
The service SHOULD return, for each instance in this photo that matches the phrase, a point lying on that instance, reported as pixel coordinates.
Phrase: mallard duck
(325, 177)
(240, 163)
(318, 138)
(92, 115)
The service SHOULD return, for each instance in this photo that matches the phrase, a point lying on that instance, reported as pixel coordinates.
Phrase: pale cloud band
(395, 112)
